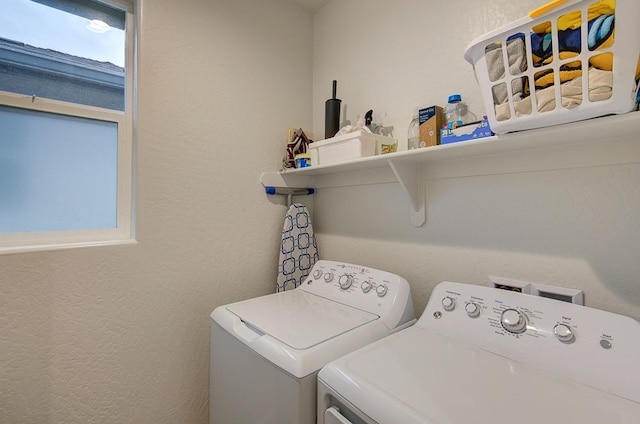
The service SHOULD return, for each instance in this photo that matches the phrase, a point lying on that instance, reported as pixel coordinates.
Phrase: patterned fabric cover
(298, 249)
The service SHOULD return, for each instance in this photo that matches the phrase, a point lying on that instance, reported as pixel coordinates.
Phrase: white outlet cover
(577, 296)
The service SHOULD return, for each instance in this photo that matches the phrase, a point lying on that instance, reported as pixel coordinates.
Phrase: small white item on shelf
(413, 134)
(350, 146)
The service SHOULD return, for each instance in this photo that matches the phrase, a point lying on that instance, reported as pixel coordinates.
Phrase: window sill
(64, 245)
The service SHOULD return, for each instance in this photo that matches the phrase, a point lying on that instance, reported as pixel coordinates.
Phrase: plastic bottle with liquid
(413, 136)
(457, 112)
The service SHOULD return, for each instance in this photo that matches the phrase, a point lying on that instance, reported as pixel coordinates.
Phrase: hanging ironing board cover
(298, 249)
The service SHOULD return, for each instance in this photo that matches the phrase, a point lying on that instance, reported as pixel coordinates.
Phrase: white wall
(120, 334)
(577, 227)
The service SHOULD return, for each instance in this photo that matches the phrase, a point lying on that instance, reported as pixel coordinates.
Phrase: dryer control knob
(473, 310)
(365, 286)
(448, 303)
(328, 276)
(381, 290)
(513, 321)
(345, 281)
(564, 333)
(317, 274)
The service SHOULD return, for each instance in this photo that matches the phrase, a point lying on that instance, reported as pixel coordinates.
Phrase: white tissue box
(358, 144)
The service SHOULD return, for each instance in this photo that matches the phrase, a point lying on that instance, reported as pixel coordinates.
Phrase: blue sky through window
(41, 26)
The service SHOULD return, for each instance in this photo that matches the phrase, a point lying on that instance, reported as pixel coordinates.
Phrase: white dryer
(266, 352)
(488, 356)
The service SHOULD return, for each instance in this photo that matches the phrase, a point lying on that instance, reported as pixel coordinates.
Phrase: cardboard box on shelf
(430, 119)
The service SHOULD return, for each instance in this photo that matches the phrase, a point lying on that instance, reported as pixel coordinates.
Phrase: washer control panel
(588, 345)
(362, 287)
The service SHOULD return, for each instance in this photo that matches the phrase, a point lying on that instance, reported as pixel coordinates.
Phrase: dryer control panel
(587, 345)
(379, 292)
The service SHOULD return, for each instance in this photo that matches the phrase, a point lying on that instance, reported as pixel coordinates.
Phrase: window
(66, 145)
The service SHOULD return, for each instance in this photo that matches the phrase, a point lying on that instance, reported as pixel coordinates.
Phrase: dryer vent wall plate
(535, 289)
(509, 284)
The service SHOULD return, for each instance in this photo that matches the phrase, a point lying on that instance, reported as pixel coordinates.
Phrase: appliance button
(448, 303)
(381, 290)
(365, 286)
(513, 321)
(473, 310)
(345, 281)
(317, 274)
(328, 277)
(564, 333)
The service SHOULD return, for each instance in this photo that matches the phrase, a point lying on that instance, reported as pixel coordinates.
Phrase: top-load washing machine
(487, 356)
(266, 352)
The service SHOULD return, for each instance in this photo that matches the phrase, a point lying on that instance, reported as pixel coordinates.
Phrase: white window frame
(124, 232)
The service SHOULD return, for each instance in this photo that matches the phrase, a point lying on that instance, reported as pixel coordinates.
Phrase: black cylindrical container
(332, 114)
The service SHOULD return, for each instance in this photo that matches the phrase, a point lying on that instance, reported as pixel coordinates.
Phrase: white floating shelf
(409, 168)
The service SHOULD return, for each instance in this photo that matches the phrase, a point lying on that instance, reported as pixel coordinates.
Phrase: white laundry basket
(547, 53)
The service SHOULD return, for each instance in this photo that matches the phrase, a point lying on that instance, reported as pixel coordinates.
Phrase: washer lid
(300, 319)
(419, 377)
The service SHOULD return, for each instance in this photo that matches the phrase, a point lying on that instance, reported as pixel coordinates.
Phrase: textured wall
(569, 227)
(394, 56)
(120, 334)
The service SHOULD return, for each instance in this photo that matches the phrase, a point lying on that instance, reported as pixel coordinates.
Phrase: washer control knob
(473, 310)
(513, 321)
(448, 303)
(328, 277)
(564, 333)
(381, 290)
(366, 286)
(345, 281)
(317, 274)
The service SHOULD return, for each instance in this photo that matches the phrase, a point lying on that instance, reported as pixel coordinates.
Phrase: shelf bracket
(410, 178)
(285, 180)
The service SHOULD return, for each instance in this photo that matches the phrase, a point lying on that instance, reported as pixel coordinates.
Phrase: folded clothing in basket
(601, 24)
(600, 35)
(516, 53)
(600, 88)
(573, 60)
(573, 20)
